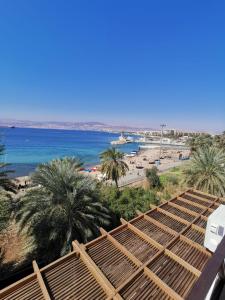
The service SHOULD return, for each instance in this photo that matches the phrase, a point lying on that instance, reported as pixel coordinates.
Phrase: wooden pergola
(157, 255)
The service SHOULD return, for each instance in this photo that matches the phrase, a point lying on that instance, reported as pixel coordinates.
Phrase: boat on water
(122, 140)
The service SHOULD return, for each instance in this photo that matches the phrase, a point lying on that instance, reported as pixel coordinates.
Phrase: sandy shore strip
(144, 159)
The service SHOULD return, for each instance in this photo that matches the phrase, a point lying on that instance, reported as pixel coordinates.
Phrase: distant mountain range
(96, 126)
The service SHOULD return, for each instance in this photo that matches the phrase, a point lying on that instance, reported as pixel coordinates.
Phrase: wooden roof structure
(157, 255)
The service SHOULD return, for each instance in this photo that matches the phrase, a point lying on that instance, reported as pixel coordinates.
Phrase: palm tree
(207, 170)
(5, 182)
(113, 165)
(62, 207)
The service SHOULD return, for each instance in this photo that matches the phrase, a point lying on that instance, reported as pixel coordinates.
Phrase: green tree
(5, 181)
(63, 207)
(207, 171)
(125, 203)
(113, 165)
(153, 178)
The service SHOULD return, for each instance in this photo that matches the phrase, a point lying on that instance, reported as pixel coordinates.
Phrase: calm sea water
(26, 147)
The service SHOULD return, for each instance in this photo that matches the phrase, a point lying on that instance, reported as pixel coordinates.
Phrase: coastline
(145, 159)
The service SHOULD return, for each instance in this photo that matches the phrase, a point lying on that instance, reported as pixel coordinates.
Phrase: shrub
(153, 178)
(125, 203)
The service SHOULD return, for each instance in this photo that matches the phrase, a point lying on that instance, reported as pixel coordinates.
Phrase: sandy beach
(144, 159)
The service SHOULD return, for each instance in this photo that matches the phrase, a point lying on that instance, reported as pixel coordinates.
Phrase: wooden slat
(145, 236)
(122, 248)
(199, 197)
(119, 260)
(173, 216)
(183, 262)
(192, 202)
(20, 288)
(97, 273)
(162, 284)
(41, 281)
(204, 194)
(191, 212)
(160, 225)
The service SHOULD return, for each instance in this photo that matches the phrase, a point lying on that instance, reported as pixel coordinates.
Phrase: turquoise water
(26, 147)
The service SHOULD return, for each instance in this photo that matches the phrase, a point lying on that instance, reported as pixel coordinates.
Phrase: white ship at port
(123, 140)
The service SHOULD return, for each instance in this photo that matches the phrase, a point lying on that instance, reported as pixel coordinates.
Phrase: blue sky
(117, 61)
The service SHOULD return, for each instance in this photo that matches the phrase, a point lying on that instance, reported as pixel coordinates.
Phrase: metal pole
(160, 148)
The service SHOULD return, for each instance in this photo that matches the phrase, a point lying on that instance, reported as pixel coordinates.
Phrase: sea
(28, 147)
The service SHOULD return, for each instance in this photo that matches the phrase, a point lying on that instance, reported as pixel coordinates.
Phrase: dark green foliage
(113, 165)
(65, 206)
(5, 209)
(127, 202)
(153, 178)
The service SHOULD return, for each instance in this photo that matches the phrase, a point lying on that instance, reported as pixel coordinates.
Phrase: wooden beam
(210, 210)
(152, 206)
(131, 278)
(195, 245)
(198, 228)
(184, 209)
(217, 204)
(221, 199)
(160, 225)
(95, 241)
(41, 281)
(139, 213)
(192, 202)
(203, 217)
(171, 215)
(203, 193)
(183, 263)
(93, 268)
(122, 249)
(123, 221)
(103, 231)
(58, 261)
(162, 284)
(16, 285)
(136, 273)
(124, 225)
(200, 198)
(117, 297)
(144, 236)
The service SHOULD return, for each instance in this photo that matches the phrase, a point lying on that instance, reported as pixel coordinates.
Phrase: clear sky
(117, 61)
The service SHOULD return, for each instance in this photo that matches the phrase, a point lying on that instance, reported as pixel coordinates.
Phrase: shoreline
(145, 159)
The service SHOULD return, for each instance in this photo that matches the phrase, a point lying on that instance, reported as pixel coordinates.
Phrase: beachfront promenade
(137, 175)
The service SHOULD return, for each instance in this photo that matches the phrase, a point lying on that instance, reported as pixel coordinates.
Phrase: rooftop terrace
(157, 255)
